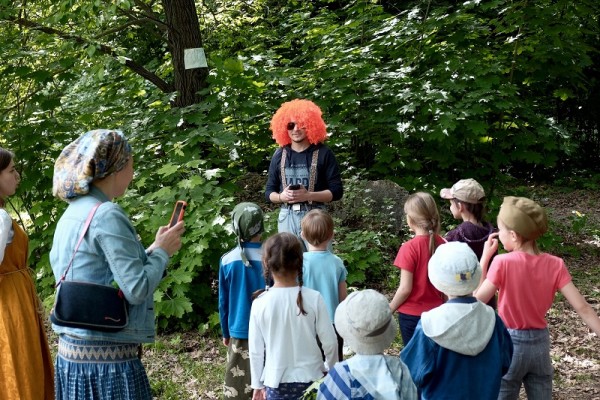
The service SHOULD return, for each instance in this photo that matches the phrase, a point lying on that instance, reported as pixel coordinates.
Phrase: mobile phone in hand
(295, 187)
(178, 212)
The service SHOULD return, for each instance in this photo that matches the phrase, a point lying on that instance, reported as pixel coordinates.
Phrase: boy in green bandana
(240, 274)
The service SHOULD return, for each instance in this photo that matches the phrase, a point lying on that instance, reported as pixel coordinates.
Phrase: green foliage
(360, 254)
(427, 95)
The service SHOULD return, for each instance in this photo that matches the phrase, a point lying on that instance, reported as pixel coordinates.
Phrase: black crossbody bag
(88, 305)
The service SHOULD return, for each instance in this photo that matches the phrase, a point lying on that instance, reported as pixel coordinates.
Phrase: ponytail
(422, 210)
(432, 244)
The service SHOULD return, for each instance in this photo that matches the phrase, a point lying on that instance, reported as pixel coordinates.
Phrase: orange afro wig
(306, 114)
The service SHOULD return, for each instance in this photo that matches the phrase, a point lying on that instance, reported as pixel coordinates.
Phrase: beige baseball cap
(467, 190)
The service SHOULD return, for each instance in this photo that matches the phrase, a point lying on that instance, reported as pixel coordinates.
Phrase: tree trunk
(184, 33)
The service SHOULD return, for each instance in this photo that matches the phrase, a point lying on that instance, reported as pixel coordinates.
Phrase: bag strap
(313, 172)
(85, 228)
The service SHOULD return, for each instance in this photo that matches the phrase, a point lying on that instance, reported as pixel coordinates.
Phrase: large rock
(373, 205)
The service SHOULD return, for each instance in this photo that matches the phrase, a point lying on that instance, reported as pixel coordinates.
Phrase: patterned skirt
(287, 391)
(89, 369)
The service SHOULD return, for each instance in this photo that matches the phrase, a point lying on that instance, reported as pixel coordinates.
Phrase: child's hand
(226, 342)
(490, 246)
(259, 394)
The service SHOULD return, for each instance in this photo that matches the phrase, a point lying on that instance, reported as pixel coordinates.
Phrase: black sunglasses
(291, 126)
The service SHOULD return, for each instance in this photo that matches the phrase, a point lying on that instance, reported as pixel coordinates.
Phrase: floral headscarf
(94, 155)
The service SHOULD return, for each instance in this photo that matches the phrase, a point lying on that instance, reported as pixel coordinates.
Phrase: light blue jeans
(289, 221)
(530, 365)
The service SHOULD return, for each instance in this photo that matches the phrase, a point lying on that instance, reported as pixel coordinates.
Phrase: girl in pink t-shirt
(527, 280)
(416, 294)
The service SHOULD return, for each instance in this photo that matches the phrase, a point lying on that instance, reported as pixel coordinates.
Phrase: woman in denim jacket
(91, 364)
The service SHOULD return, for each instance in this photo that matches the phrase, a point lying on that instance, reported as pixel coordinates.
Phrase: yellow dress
(26, 371)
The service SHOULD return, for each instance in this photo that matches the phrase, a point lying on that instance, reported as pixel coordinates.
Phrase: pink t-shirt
(413, 256)
(526, 286)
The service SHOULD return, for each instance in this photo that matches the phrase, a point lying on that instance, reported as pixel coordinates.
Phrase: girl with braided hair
(415, 293)
(285, 321)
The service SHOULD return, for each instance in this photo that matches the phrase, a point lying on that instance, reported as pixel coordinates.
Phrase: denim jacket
(110, 251)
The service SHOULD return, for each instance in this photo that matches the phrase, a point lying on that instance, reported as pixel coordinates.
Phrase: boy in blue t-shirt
(240, 275)
(323, 271)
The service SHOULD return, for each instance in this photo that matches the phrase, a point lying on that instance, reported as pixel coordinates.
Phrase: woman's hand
(169, 239)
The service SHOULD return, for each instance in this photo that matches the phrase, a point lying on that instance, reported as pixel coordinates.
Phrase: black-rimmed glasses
(291, 126)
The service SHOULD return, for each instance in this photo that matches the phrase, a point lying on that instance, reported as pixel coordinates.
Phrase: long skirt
(26, 370)
(89, 369)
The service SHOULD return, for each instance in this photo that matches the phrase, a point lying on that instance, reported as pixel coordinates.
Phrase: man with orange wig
(304, 173)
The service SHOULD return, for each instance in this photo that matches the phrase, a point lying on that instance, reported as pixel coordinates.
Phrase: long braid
(299, 302)
(267, 276)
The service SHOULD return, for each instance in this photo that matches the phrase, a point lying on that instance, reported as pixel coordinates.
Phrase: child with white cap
(366, 323)
(527, 281)
(461, 349)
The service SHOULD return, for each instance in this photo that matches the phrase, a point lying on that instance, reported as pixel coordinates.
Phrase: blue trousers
(408, 323)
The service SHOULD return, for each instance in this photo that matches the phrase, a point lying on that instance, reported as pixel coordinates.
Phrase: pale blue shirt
(324, 271)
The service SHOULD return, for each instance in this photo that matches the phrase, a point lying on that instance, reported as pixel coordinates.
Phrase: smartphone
(294, 187)
(178, 212)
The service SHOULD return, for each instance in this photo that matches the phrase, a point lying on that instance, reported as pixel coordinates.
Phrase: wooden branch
(161, 84)
(144, 17)
(150, 14)
(120, 27)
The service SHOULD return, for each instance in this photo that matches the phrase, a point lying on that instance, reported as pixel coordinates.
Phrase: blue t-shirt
(323, 271)
(236, 285)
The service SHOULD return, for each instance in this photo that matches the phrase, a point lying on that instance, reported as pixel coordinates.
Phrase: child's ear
(515, 237)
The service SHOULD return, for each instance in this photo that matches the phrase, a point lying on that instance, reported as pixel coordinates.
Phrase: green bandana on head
(247, 220)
